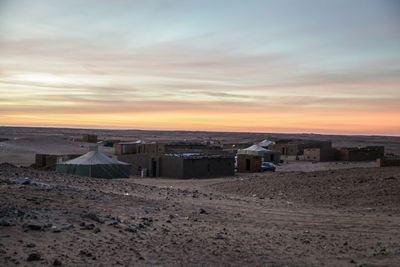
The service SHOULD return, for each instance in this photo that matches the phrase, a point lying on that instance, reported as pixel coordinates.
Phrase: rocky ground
(333, 218)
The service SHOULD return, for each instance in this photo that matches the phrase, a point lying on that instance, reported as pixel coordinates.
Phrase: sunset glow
(257, 66)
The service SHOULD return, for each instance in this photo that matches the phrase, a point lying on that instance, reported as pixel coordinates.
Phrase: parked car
(268, 166)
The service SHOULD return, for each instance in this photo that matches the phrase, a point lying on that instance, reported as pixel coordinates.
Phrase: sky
(252, 66)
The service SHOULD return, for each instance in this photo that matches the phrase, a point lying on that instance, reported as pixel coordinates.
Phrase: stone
(34, 257)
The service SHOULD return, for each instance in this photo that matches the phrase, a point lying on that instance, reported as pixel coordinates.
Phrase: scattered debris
(23, 180)
(34, 257)
(57, 262)
(203, 211)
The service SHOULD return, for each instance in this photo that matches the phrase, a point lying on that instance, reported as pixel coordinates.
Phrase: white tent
(266, 143)
(253, 150)
(95, 164)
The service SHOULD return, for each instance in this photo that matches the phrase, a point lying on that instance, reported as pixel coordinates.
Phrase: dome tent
(253, 150)
(265, 143)
(95, 164)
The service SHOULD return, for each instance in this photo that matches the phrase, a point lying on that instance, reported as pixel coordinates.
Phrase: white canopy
(253, 150)
(266, 143)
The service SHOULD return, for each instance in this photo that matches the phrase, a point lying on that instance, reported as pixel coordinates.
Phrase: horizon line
(205, 131)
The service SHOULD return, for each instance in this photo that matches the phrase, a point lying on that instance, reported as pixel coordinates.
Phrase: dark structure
(149, 163)
(272, 156)
(89, 138)
(176, 159)
(249, 163)
(296, 147)
(389, 161)
(320, 154)
(369, 153)
(181, 165)
(95, 164)
(185, 166)
(49, 162)
(160, 148)
(110, 143)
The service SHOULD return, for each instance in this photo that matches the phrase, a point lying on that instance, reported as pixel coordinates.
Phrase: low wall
(388, 162)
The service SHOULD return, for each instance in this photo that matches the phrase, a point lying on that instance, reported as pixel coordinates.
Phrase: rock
(96, 230)
(34, 257)
(92, 216)
(34, 227)
(203, 211)
(57, 262)
(23, 180)
(219, 236)
(114, 222)
(131, 229)
(85, 253)
(87, 226)
(30, 245)
(67, 227)
(4, 223)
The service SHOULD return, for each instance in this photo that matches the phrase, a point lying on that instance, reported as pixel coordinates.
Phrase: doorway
(153, 168)
(247, 164)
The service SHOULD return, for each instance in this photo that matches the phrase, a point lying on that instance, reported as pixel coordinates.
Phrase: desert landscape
(200, 133)
(304, 214)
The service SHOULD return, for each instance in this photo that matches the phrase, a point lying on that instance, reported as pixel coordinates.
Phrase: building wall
(313, 154)
(49, 162)
(208, 167)
(319, 154)
(89, 138)
(179, 167)
(140, 162)
(254, 164)
(272, 156)
(296, 147)
(171, 167)
(186, 168)
(388, 162)
(160, 148)
(286, 149)
(369, 153)
(120, 149)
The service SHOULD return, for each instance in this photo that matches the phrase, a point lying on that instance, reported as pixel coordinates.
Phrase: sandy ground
(340, 218)
(305, 166)
(305, 214)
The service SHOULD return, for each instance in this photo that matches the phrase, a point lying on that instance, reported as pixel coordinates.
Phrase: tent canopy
(95, 164)
(266, 143)
(253, 150)
(94, 158)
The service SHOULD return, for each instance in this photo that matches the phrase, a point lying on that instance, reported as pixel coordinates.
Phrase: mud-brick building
(296, 147)
(175, 159)
(181, 165)
(139, 147)
(368, 153)
(389, 161)
(89, 138)
(187, 165)
(49, 161)
(320, 154)
(249, 163)
(266, 154)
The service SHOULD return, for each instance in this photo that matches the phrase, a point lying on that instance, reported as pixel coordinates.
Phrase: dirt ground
(332, 218)
(305, 214)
